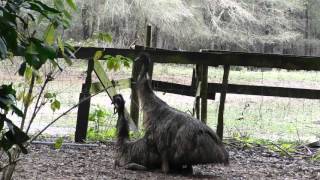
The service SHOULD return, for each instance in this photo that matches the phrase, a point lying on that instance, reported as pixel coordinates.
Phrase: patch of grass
(93, 135)
(281, 147)
(110, 134)
(316, 157)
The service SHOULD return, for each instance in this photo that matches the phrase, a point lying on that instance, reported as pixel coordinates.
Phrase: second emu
(134, 155)
(180, 139)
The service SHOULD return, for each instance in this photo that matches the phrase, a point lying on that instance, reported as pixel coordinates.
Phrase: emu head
(118, 102)
(143, 62)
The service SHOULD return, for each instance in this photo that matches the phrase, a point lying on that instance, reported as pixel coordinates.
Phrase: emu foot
(135, 167)
(183, 169)
(187, 170)
(165, 165)
(115, 164)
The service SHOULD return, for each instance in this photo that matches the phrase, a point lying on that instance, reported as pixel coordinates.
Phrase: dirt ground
(78, 162)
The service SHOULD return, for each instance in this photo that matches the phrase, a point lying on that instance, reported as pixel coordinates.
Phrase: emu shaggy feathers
(136, 155)
(179, 138)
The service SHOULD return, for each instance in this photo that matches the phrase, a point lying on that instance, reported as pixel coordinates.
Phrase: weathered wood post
(204, 93)
(196, 83)
(134, 106)
(148, 44)
(222, 100)
(84, 107)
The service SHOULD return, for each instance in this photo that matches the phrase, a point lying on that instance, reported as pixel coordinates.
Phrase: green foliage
(52, 98)
(58, 143)
(8, 100)
(115, 62)
(35, 49)
(98, 117)
(316, 156)
(19, 37)
(104, 37)
(108, 134)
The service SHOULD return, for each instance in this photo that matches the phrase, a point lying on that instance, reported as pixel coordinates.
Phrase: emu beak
(115, 109)
(136, 59)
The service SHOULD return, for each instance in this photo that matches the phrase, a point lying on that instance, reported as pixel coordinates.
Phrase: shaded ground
(73, 162)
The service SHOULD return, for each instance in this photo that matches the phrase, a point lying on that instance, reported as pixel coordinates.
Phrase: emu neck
(122, 127)
(148, 99)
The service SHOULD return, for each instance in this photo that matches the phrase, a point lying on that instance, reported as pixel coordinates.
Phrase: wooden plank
(177, 89)
(222, 101)
(212, 58)
(197, 101)
(105, 82)
(204, 93)
(134, 104)
(121, 84)
(237, 89)
(198, 79)
(84, 107)
(148, 44)
(267, 91)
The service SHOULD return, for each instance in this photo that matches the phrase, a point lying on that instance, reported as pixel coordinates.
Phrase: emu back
(180, 138)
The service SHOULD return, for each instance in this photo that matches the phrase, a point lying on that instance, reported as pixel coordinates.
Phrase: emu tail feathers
(211, 150)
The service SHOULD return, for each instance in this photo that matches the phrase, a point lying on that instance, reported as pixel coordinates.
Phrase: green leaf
(49, 35)
(22, 68)
(5, 144)
(55, 105)
(67, 60)
(110, 64)
(72, 4)
(3, 49)
(60, 44)
(17, 111)
(32, 49)
(58, 4)
(98, 55)
(48, 95)
(58, 143)
(28, 73)
(1, 124)
(126, 64)
(67, 14)
(16, 136)
(104, 37)
(44, 7)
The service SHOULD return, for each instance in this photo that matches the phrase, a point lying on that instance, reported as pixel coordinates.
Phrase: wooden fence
(199, 88)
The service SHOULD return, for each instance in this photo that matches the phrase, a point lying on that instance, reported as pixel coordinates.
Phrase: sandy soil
(71, 162)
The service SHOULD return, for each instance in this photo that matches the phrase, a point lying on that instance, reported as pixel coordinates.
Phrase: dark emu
(180, 139)
(133, 155)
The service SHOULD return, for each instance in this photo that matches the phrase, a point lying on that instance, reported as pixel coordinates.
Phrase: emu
(180, 139)
(136, 155)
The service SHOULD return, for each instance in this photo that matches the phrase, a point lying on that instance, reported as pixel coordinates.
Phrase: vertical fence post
(222, 100)
(84, 107)
(134, 106)
(197, 79)
(148, 44)
(204, 93)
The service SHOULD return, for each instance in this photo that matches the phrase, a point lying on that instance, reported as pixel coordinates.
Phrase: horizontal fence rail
(211, 58)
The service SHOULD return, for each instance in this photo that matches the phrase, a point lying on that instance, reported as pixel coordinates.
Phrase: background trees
(275, 26)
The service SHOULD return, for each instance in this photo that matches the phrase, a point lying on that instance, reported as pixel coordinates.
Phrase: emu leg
(164, 163)
(188, 169)
(116, 164)
(135, 167)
